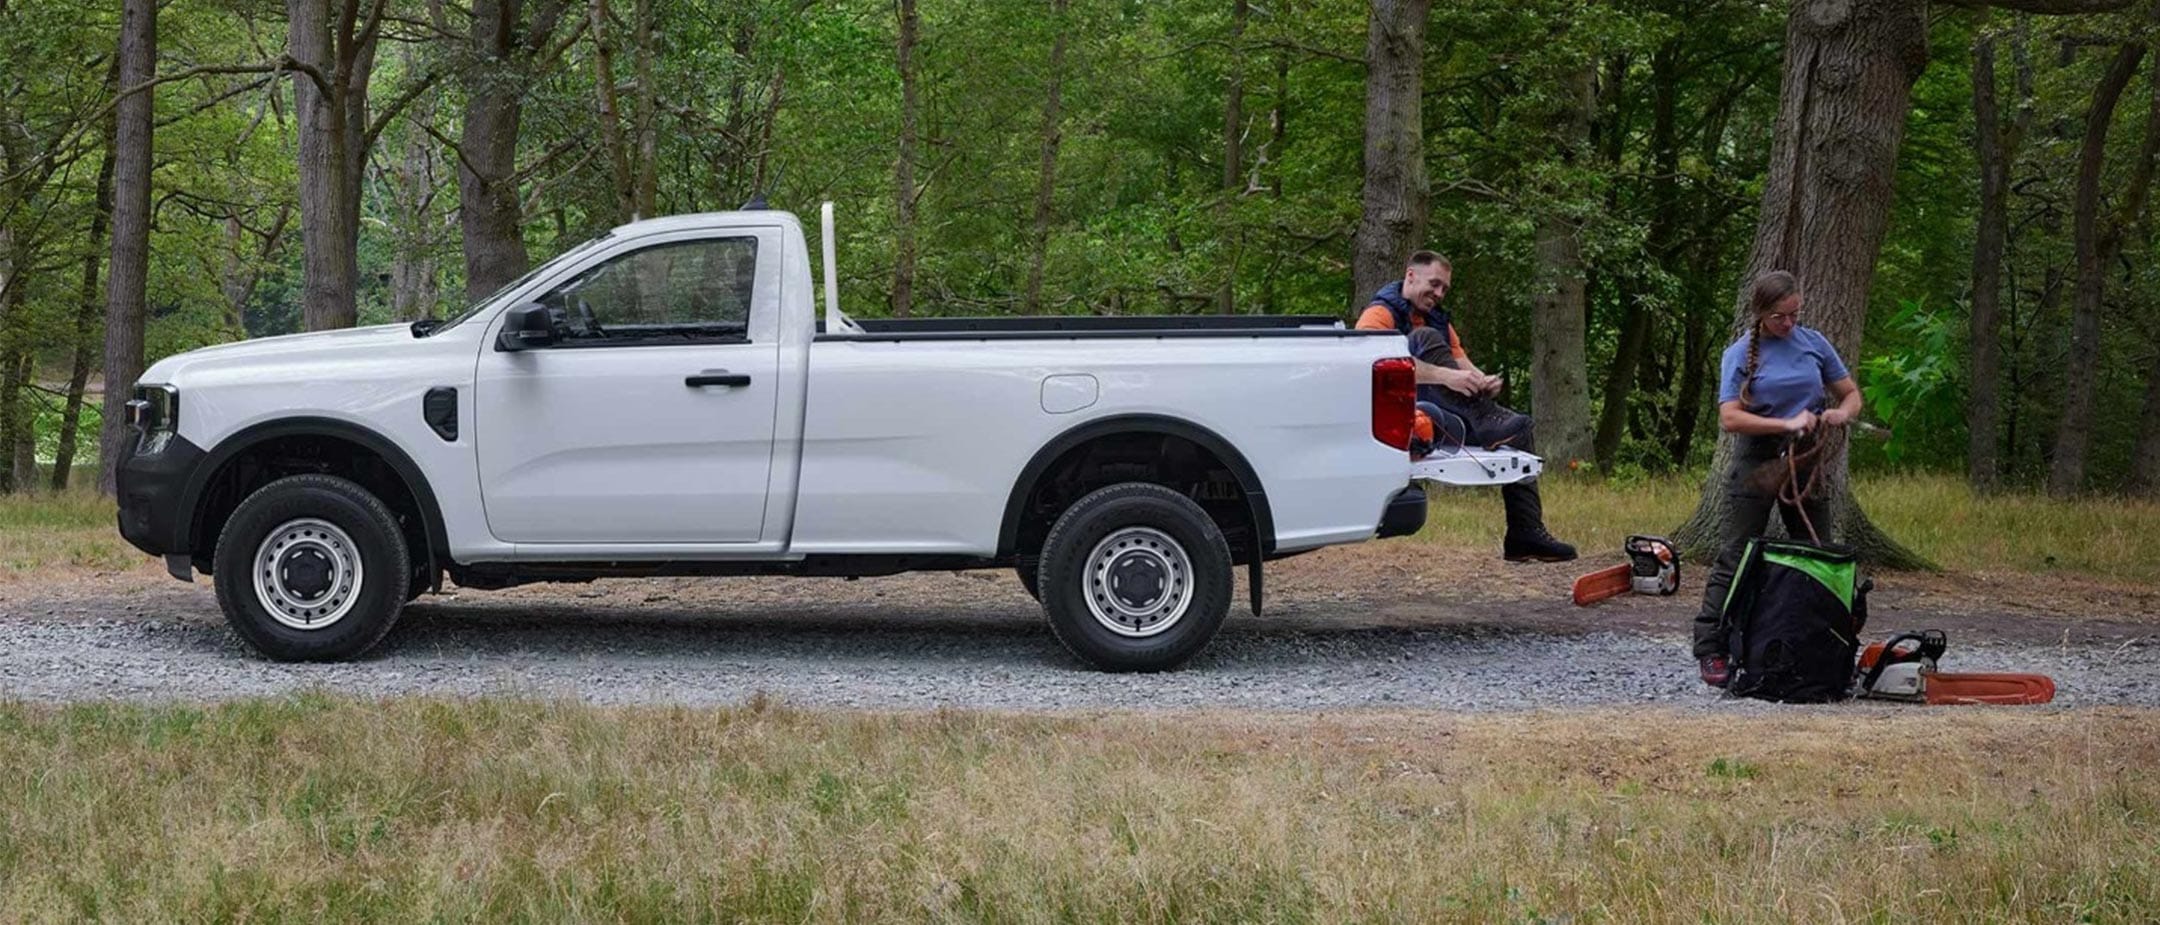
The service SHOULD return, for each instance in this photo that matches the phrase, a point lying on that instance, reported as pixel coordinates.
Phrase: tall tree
(1046, 173)
(128, 274)
(903, 285)
(1848, 76)
(2099, 241)
(332, 44)
(1849, 69)
(2145, 462)
(507, 53)
(1396, 194)
(1559, 386)
(1233, 148)
(89, 307)
(1994, 149)
(408, 185)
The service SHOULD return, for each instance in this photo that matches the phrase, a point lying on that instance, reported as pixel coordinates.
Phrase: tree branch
(522, 175)
(397, 105)
(454, 147)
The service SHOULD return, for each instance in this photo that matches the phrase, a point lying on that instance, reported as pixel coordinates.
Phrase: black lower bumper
(1405, 513)
(152, 493)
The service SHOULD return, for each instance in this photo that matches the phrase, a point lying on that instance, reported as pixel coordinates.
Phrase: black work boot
(1527, 540)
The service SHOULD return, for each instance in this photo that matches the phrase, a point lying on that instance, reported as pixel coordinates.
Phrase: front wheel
(1135, 577)
(312, 568)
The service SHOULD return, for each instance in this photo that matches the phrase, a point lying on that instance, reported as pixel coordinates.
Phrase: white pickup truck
(666, 400)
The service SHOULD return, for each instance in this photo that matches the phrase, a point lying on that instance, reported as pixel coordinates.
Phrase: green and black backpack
(1792, 621)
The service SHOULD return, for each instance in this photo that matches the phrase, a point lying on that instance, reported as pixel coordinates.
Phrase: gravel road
(930, 641)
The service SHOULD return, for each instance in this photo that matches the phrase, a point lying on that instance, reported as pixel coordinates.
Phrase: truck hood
(289, 348)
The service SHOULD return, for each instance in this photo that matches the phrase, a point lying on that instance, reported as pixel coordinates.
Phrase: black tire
(294, 509)
(1152, 522)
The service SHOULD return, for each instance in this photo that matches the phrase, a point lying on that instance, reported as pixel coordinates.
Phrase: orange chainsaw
(1653, 567)
(1904, 669)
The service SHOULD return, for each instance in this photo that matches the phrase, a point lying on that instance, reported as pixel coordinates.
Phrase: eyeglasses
(1793, 315)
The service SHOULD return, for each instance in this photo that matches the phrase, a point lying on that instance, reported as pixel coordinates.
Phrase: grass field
(1936, 515)
(323, 809)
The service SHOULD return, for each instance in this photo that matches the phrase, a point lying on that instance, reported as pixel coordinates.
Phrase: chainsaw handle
(1922, 643)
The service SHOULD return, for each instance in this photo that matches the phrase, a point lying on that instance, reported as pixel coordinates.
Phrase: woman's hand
(1835, 417)
(1800, 423)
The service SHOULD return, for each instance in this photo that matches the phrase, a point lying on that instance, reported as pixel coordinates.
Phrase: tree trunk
(1688, 401)
(1279, 123)
(1634, 321)
(489, 217)
(128, 274)
(411, 193)
(1046, 174)
(1396, 194)
(1993, 152)
(2096, 248)
(243, 269)
(646, 200)
(23, 450)
(1847, 87)
(611, 135)
(903, 288)
(1559, 385)
(1233, 168)
(2145, 463)
(89, 306)
(333, 142)
(14, 417)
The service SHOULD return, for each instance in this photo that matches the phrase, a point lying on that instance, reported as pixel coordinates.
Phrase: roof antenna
(757, 200)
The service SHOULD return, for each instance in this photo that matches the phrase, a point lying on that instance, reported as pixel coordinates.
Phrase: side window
(689, 290)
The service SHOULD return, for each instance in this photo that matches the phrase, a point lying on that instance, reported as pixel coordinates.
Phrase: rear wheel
(1135, 577)
(312, 568)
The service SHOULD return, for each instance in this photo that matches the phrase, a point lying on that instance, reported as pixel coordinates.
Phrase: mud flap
(1253, 581)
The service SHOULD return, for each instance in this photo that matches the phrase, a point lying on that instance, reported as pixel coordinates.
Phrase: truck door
(650, 418)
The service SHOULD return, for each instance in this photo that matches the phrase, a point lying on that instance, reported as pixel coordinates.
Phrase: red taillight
(1394, 400)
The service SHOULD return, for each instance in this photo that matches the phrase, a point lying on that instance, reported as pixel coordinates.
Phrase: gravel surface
(933, 641)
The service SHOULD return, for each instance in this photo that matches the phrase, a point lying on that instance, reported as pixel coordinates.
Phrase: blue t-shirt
(1793, 376)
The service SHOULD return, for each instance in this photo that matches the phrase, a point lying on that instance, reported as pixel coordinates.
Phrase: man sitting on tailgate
(1459, 397)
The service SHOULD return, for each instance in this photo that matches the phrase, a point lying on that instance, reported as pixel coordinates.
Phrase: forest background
(247, 168)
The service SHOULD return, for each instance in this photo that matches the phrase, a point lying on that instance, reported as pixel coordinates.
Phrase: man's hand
(1462, 382)
(1835, 417)
(1490, 384)
(1800, 423)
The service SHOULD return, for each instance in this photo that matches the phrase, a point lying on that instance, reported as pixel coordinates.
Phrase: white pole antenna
(832, 273)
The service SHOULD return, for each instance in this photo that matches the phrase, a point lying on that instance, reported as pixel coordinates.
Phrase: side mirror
(526, 327)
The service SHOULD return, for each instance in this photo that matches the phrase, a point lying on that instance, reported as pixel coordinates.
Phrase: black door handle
(717, 377)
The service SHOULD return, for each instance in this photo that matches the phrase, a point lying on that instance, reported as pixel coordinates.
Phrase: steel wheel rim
(1139, 582)
(307, 573)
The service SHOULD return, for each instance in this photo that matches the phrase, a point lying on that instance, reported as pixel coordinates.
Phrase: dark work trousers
(1481, 423)
(1746, 517)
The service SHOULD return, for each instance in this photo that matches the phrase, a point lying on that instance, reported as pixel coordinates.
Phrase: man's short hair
(1429, 258)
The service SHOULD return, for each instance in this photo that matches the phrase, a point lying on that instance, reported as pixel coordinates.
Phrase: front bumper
(1405, 512)
(152, 493)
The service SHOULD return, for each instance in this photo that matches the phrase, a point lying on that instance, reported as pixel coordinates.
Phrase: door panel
(651, 420)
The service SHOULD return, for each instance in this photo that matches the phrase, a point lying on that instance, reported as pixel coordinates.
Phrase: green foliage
(1913, 386)
(801, 103)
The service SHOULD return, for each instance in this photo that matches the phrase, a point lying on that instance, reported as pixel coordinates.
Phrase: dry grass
(72, 530)
(2114, 539)
(326, 809)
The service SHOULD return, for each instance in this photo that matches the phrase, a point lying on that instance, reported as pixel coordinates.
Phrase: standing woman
(1772, 381)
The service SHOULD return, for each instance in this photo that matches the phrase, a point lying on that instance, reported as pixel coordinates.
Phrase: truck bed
(1095, 326)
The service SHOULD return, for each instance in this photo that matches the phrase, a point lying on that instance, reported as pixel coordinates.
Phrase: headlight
(155, 413)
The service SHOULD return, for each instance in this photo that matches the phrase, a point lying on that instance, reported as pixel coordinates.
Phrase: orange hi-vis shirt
(1378, 317)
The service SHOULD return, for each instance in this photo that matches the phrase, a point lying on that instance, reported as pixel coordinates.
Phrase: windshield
(463, 316)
